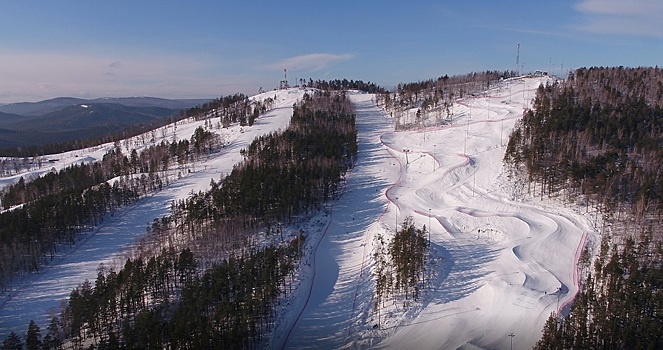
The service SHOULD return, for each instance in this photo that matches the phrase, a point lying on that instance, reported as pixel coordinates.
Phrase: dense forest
(201, 284)
(596, 139)
(620, 304)
(284, 175)
(435, 97)
(598, 134)
(169, 301)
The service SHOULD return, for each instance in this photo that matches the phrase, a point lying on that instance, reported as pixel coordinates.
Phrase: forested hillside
(620, 304)
(205, 279)
(431, 102)
(68, 124)
(597, 138)
(599, 135)
(49, 213)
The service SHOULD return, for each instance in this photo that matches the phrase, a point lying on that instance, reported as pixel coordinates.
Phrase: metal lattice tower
(285, 77)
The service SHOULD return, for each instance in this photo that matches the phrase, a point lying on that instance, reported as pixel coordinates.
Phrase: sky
(208, 49)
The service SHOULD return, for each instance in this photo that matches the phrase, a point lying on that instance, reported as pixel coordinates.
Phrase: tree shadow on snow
(460, 271)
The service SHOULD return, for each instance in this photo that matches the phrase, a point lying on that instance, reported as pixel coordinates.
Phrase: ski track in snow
(327, 317)
(507, 263)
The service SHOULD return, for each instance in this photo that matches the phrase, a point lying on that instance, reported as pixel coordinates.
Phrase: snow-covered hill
(33, 298)
(503, 261)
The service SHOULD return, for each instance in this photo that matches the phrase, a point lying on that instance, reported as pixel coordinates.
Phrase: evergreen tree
(53, 339)
(550, 339)
(33, 337)
(12, 342)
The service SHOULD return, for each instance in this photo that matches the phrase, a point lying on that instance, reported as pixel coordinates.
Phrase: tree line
(299, 168)
(231, 109)
(283, 175)
(344, 84)
(171, 302)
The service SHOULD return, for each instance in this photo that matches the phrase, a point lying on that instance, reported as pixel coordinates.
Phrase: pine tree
(33, 337)
(12, 342)
(53, 338)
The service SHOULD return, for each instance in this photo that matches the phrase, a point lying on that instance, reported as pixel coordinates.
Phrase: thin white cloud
(642, 17)
(308, 63)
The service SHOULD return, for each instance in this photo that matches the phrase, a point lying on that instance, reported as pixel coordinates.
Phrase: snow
(502, 260)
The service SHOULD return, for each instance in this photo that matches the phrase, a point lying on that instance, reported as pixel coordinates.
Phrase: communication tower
(284, 82)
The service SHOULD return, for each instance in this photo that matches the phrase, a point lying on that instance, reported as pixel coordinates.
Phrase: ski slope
(38, 296)
(502, 260)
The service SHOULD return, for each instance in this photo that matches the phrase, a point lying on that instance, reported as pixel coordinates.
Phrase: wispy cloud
(642, 17)
(308, 63)
(113, 68)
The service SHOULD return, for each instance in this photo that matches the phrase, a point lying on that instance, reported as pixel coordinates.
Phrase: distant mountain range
(64, 119)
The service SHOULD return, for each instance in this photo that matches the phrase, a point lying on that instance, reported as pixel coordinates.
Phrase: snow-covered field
(504, 261)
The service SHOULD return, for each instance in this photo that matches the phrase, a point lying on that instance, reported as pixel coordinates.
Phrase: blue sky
(177, 49)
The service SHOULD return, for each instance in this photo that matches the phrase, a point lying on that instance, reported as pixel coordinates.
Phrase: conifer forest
(597, 136)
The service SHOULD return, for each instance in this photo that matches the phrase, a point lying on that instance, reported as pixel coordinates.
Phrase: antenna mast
(517, 57)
